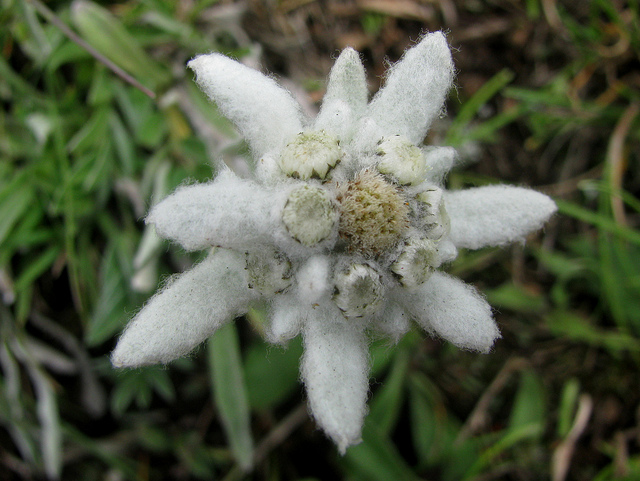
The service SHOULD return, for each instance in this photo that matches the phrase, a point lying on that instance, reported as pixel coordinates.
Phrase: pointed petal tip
(193, 63)
(438, 47)
(436, 39)
(199, 60)
(496, 215)
(188, 310)
(545, 206)
(435, 47)
(344, 443)
(264, 112)
(116, 361)
(548, 205)
(120, 361)
(207, 65)
(126, 355)
(415, 90)
(342, 439)
(196, 62)
(486, 346)
(455, 311)
(348, 54)
(335, 371)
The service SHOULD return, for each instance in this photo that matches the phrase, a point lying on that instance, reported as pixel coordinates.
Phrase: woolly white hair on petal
(455, 311)
(447, 252)
(415, 90)
(187, 311)
(204, 215)
(393, 320)
(313, 279)
(346, 97)
(287, 317)
(495, 215)
(335, 370)
(266, 114)
(439, 162)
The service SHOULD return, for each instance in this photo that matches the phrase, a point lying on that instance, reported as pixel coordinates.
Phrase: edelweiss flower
(341, 230)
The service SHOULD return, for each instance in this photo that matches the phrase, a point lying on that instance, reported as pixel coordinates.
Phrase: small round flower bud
(401, 160)
(416, 262)
(432, 214)
(310, 154)
(309, 215)
(358, 290)
(268, 272)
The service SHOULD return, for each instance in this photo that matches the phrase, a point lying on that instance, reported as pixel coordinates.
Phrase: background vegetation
(548, 95)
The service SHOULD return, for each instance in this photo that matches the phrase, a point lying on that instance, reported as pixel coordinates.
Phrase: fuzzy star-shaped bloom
(341, 230)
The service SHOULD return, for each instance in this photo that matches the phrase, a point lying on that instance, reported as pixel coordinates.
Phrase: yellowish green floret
(374, 214)
(309, 215)
(401, 160)
(310, 154)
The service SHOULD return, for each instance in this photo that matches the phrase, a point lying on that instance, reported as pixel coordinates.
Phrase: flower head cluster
(342, 229)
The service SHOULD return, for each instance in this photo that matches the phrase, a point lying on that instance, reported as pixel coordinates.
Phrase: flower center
(373, 214)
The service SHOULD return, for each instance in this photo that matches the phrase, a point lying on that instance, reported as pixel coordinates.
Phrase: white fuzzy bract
(342, 229)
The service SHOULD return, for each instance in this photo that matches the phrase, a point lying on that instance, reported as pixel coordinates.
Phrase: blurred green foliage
(84, 154)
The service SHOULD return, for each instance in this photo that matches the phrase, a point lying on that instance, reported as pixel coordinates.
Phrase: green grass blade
(386, 404)
(529, 407)
(456, 132)
(109, 36)
(36, 268)
(601, 222)
(230, 393)
(510, 439)
(568, 403)
(271, 373)
(376, 458)
(14, 201)
(579, 329)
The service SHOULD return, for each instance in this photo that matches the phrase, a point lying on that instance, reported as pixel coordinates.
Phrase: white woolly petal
(266, 114)
(415, 90)
(455, 311)
(187, 311)
(335, 370)
(393, 321)
(447, 252)
(287, 316)
(439, 162)
(313, 279)
(268, 170)
(290, 310)
(228, 212)
(346, 97)
(365, 139)
(495, 215)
